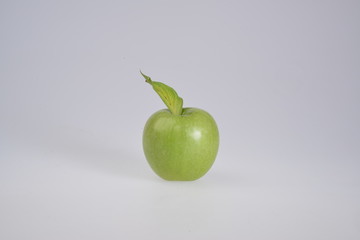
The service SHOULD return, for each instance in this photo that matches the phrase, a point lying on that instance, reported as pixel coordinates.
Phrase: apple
(180, 144)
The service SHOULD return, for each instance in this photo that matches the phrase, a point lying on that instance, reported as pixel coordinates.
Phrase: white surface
(280, 77)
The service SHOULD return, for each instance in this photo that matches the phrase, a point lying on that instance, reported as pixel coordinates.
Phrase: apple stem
(167, 94)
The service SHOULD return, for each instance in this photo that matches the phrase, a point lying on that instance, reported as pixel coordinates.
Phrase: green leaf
(167, 94)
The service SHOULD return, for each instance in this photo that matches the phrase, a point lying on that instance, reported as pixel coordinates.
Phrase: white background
(281, 78)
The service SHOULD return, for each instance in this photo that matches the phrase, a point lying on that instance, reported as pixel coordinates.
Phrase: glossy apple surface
(181, 147)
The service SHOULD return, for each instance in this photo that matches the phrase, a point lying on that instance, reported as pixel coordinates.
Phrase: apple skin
(181, 147)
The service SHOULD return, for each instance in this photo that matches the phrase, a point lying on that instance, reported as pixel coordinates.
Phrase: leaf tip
(147, 78)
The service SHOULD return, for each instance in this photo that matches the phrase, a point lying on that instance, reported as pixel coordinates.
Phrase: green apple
(180, 144)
